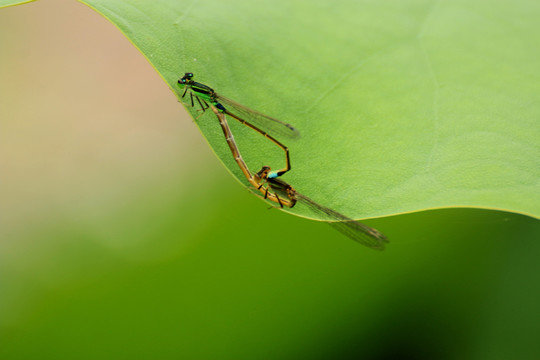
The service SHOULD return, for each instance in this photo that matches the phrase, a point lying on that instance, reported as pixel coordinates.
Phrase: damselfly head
(185, 79)
(263, 173)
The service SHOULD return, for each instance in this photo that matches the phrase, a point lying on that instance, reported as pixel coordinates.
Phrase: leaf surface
(402, 105)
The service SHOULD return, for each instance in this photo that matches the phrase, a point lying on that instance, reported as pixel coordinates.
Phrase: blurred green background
(122, 235)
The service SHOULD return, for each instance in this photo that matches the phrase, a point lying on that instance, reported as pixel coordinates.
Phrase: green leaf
(402, 105)
(6, 3)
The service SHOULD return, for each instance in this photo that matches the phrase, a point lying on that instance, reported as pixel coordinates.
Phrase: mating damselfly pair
(269, 182)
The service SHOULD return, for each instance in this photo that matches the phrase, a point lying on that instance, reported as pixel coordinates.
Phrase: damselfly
(263, 124)
(271, 186)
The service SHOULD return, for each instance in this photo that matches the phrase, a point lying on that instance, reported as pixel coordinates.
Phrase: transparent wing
(266, 123)
(357, 231)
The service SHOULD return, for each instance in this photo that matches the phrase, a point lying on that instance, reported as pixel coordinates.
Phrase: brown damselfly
(280, 192)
